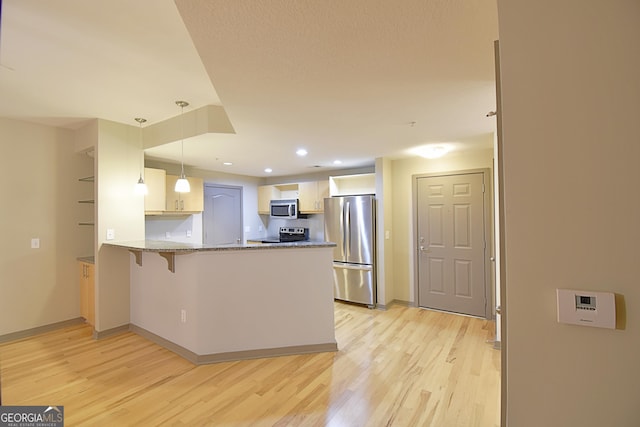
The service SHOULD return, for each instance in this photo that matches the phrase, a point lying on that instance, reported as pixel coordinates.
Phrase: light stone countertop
(176, 247)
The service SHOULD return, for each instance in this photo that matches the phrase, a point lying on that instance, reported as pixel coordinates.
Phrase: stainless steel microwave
(284, 208)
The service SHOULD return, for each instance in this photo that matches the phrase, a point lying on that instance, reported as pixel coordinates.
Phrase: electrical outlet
(111, 234)
(167, 235)
(188, 233)
(183, 316)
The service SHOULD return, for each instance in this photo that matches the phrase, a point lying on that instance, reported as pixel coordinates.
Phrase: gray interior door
(451, 243)
(222, 217)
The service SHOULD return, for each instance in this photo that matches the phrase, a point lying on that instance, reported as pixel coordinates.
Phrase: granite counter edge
(156, 247)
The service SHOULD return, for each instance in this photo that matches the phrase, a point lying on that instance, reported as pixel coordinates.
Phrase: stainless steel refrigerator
(350, 222)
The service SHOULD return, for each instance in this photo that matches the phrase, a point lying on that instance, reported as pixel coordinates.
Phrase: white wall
(571, 128)
(118, 158)
(38, 185)
(402, 223)
(384, 243)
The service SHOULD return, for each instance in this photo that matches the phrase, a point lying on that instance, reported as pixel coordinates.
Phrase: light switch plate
(111, 234)
(35, 243)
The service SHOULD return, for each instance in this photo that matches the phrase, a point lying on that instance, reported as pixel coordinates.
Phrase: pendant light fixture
(141, 187)
(182, 184)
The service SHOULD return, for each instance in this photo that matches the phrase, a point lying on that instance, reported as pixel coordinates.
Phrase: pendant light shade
(141, 187)
(182, 184)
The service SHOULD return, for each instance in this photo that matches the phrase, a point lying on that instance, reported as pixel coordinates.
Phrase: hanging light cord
(182, 140)
(140, 122)
(182, 104)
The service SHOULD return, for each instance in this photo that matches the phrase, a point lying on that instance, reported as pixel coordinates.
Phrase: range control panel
(586, 308)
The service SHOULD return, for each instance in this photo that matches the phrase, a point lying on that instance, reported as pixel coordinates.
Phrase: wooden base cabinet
(87, 292)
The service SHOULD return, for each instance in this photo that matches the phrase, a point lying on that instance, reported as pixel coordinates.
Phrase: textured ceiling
(349, 80)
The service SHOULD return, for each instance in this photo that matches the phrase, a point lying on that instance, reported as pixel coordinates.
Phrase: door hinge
(483, 188)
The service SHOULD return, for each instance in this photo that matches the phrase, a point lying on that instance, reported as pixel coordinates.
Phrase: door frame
(235, 187)
(487, 200)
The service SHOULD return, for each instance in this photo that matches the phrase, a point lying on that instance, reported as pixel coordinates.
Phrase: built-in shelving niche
(87, 201)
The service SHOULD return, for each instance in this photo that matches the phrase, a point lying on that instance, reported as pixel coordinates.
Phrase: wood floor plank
(400, 367)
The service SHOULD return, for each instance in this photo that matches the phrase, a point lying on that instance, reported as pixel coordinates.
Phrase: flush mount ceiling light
(141, 187)
(432, 151)
(337, 162)
(301, 152)
(268, 170)
(182, 184)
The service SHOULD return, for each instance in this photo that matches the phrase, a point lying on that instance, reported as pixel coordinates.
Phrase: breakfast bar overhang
(222, 303)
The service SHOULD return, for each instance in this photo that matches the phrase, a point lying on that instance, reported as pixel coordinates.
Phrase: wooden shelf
(352, 185)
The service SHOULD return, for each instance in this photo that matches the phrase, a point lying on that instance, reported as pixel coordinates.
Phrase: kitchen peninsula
(218, 303)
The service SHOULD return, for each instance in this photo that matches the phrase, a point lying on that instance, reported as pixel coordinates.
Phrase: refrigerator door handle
(344, 232)
(347, 228)
(354, 267)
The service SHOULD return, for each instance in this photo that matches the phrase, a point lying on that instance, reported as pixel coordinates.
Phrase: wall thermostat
(587, 308)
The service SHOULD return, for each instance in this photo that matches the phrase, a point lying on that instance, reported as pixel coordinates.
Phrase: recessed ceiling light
(432, 151)
(301, 152)
(337, 162)
(268, 170)
(227, 163)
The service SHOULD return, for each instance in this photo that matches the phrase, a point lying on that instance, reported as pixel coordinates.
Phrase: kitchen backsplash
(315, 223)
(188, 229)
(184, 229)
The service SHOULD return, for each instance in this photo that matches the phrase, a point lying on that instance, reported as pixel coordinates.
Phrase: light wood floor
(401, 367)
